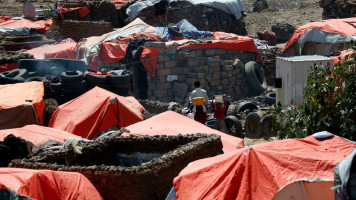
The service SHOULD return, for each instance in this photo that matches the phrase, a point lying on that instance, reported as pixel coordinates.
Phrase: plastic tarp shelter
(37, 134)
(96, 111)
(21, 104)
(172, 123)
(47, 184)
(259, 171)
(63, 49)
(19, 24)
(83, 11)
(321, 37)
(233, 7)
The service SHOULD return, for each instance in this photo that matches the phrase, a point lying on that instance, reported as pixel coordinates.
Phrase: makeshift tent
(63, 49)
(172, 123)
(37, 134)
(320, 38)
(259, 171)
(23, 26)
(46, 184)
(96, 111)
(233, 7)
(21, 104)
(83, 11)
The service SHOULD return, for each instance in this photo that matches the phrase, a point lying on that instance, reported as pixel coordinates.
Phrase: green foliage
(330, 104)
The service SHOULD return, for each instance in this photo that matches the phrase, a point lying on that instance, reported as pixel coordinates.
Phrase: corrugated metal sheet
(294, 73)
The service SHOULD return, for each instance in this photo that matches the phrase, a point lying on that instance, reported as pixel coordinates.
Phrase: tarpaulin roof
(234, 7)
(5, 18)
(172, 123)
(326, 31)
(8, 66)
(20, 95)
(96, 111)
(63, 49)
(258, 171)
(83, 11)
(37, 134)
(46, 184)
(41, 25)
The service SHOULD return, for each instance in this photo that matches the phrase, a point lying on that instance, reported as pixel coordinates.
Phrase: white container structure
(294, 73)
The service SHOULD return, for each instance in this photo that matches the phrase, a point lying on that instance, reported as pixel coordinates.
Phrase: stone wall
(81, 29)
(203, 17)
(217, 70)
(267, 61)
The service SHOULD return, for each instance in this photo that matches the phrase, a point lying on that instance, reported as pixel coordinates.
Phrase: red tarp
(83, 11)
(172, 123)
(41, 25)
(8, 67)
(46, 184)
(37, 134)
(63, 49)
(96, 111)
(13, 95)
(342, 55)
(111, 52)
(257, 172)
(345, 27)
(148, 58)
(5, 18)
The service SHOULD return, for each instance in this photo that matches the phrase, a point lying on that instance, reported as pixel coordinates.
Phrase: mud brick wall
(267, 61)
(203, 17)
(82, 29)
(219, 75)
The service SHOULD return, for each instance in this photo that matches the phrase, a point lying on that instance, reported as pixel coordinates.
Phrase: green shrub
(330, 104)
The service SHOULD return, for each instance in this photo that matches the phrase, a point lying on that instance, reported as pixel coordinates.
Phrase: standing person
(199, 110)
(219, 114)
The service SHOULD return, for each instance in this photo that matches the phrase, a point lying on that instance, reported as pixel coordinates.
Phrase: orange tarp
(13, 95)
(259, 171)
(344, 27)
(63, 49)
(172, 123)
(46, 184)
(96, 111)
(41, 25)
(37, 134)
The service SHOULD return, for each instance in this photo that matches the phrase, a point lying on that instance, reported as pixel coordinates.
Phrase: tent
(259, 171)
(24, 26)
(172, 123)
(96, 111)
(21, 104)
(37, 134)
(63, 49)
(320, 38)
(45, 184)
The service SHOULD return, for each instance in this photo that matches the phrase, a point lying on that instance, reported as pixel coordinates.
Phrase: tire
(270, 98)
(231, 110)
(175, 33)
(255, 77)
(82, 85)
(119, 79)
(253, 125)
(246, 106)
(103, 86)
(91, 78)
(120, 91)
(18, 73)
(72, 76)
(72, 93)
(35, 78)
(53, 79)
(267, 127)
(233, 126)
(56, 86)
(34, 65)
(7, 73)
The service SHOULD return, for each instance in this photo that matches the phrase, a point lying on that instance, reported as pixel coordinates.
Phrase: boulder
(283, 31)
(260, 5)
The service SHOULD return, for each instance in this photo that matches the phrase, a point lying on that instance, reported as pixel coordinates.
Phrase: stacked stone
(83, 29)
(203, 17)
(216, 69)
(267, 61)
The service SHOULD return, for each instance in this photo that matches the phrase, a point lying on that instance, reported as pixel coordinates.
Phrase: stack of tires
(98, 80)
(73, 84)
(120, 84)
(16, 76)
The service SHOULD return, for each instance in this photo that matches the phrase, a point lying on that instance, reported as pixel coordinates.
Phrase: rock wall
(203, 17)
(267, 61)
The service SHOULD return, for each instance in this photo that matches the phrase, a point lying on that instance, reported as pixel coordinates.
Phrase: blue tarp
(189, 30)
